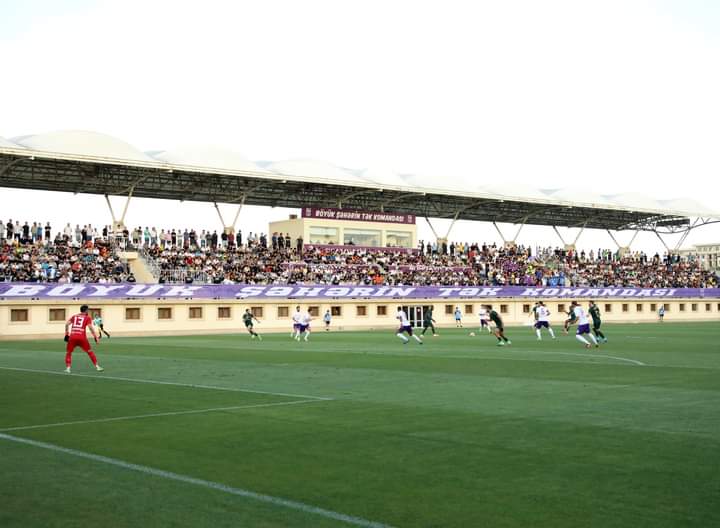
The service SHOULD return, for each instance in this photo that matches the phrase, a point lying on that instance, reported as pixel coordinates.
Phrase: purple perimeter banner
(31, 290)
(361, 216)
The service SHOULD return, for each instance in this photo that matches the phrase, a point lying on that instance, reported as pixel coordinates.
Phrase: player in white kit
(405, 327)
(296, 317)
(583, 328)
(484, 320)
(543, 320)
(304, 325)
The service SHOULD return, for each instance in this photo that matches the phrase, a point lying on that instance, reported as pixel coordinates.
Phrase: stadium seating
(61, 260)
(74, 256)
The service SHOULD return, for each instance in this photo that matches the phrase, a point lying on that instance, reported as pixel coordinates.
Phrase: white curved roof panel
(384, 176)
(314, 169)
(688, 207)
(580, 197)
(4, 143)
(635, 201)
(518, 191)
(207, 157)
(83, 143)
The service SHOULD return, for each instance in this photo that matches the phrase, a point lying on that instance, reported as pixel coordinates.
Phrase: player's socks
(259, 337)
(507, 341)
(552, 334)
(592, 338)
(537, 332)
(417, 339)
(91, 354)
(582, 340)
(67, 370)
(404, 339)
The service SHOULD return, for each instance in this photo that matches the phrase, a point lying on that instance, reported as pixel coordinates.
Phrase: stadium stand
(80, 255)
(84, 254)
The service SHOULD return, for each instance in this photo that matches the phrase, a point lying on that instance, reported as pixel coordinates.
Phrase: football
(472, 334)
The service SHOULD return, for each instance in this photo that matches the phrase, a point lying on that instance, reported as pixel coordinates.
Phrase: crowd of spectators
(30, 253)
(86, 254)
(456, 264)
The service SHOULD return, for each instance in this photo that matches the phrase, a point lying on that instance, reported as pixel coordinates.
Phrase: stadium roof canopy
(89, 162)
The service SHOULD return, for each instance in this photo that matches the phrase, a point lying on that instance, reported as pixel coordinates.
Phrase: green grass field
(357, 428)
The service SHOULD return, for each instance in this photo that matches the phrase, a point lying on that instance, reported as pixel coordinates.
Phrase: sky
(612, 96)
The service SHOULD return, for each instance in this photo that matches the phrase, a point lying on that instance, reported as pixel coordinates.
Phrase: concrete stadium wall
(157, 317)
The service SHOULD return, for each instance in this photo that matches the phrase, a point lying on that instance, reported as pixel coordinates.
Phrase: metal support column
(118, 224)
(502, 237)
(661, 240)
(560, 236)
(447, 235)
(613, 238)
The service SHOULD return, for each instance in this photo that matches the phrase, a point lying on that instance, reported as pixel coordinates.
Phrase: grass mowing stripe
(154, 415)
(278, 501)
(157, 382)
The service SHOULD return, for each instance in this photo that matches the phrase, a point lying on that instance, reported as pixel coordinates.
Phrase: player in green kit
(595, 314)
(98, 323)
(428, 321)
(572, 319)
(248, 319)
(499, 327)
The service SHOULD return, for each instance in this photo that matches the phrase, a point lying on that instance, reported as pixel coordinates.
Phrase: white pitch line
(634, 361)
(157, 382)
(269, 499)
(153, 415)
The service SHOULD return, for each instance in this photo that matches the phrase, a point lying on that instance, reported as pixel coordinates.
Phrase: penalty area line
(208, 484)
(175, 383)
(156, 415)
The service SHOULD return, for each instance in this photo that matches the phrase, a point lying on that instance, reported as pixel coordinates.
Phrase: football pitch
(357, 429)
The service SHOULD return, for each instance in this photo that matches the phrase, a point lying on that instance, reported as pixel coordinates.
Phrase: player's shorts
(596, 325)
(296, 326)
(407, 329)
(483, 322)
(81, 342)
(427, 324)
(458, 318)
(327, 323)
(500, 329)
(542, 324)
(583, 329)
(303, 327)
(248, 325)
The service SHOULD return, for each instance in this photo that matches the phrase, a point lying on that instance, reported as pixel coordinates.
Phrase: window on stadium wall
(324, 235)
(56, 314)
(401, 239)
(19, 315)
(361, 237)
